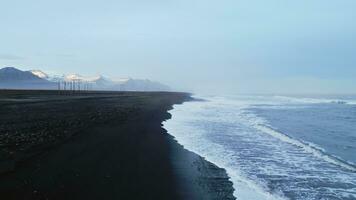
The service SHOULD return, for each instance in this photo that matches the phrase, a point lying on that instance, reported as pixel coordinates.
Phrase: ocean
(274, 147)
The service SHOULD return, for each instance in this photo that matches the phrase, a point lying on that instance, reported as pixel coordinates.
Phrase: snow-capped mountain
(48, 77)
(13, 78)
(97, 82)
(78, 77)
(13, 74)
(40, 74)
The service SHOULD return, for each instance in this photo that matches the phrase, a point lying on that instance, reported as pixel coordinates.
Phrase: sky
(202, 46)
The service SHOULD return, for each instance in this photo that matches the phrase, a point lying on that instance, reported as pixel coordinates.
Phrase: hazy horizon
(197, 46)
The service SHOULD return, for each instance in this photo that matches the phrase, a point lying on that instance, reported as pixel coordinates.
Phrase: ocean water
(274, 147)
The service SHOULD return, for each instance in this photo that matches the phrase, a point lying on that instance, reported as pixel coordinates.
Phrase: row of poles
(74, 86)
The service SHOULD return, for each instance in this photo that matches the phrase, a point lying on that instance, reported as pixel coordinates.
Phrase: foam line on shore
(315, 100)
(306, 147)
(263, 126)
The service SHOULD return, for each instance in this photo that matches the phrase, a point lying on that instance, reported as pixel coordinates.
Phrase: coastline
(196, 177)
(116, 148)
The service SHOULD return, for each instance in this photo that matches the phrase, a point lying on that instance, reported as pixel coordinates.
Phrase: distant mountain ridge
(12, 78)
(11, 74)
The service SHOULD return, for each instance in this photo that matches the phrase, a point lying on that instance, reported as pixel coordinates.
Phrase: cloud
(10, 57)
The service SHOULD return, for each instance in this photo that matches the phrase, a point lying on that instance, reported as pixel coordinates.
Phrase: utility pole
(59, 87)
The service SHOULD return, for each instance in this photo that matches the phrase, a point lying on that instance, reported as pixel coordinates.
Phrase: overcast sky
(234, 46)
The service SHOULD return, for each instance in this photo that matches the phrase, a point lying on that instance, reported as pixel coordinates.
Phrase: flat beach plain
(98, 145)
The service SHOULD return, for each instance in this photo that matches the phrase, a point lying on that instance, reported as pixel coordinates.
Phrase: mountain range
(12, 78)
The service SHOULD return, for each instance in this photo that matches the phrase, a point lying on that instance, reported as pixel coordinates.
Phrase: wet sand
(98, 146)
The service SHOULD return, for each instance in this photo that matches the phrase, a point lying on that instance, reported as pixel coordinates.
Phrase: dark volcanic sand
(98, 146)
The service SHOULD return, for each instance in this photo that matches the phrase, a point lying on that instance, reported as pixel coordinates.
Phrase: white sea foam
(197, 143)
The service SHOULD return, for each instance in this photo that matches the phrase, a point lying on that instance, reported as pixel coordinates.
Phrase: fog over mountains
(12, 78)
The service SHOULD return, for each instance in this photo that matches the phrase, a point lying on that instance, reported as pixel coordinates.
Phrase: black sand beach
(98, 146)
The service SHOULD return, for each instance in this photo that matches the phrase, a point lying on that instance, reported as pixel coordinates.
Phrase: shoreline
(213, 181)
(116, 150)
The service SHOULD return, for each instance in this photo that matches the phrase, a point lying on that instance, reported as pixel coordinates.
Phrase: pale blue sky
(278, 46)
